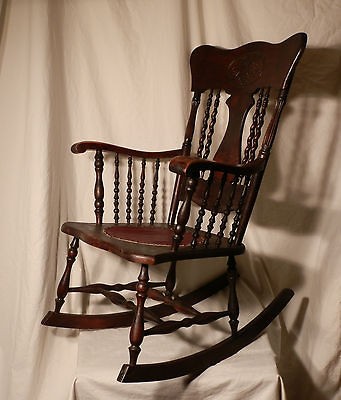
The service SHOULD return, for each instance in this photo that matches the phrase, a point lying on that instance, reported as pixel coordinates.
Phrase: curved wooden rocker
(200, 361)
(217, 176)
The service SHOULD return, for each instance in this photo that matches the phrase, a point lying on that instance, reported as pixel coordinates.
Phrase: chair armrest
(191, 166)
(82, 147)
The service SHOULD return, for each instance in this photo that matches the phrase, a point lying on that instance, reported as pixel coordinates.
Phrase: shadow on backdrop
(317, 78)
(300, 210)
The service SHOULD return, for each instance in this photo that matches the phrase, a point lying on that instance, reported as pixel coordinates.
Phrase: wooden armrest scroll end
(82, 147)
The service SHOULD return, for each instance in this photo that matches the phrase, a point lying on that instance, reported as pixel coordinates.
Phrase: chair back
(238, 98)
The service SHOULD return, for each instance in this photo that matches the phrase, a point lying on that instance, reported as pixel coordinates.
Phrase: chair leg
(171, 279)
(233, 306)
(64, 283)
(137, 327)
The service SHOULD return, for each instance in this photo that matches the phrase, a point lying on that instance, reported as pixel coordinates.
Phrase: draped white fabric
(117, 71)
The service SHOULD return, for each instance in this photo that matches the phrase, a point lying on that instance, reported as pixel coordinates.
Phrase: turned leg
(137, 327)
(171, 279)
(64, 283)
(233, 306)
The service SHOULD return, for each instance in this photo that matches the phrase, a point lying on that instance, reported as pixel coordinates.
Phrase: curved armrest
(191, 166)
(82, 147)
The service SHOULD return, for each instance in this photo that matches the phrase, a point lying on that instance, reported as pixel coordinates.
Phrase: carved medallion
(246, 69)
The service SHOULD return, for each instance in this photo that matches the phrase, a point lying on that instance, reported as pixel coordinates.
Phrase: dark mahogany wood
(117, 189)
(199, 362)
(172, 326)
(64, 283)
(141, 191)
(155, 191)
(124, 319)
(233, 306)
(99, 187)
(137, 327)
(140, 252)
(171, 278)
(238, 98)
(82, 147)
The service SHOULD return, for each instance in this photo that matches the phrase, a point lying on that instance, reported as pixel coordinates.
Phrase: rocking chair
(215, 188)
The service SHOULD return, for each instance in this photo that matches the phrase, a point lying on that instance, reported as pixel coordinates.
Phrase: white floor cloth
(101, 355)
(117, 71)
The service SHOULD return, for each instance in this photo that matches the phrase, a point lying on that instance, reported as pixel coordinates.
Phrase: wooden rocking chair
(238, 98)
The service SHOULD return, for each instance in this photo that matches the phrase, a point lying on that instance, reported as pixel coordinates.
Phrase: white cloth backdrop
(117, 71)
